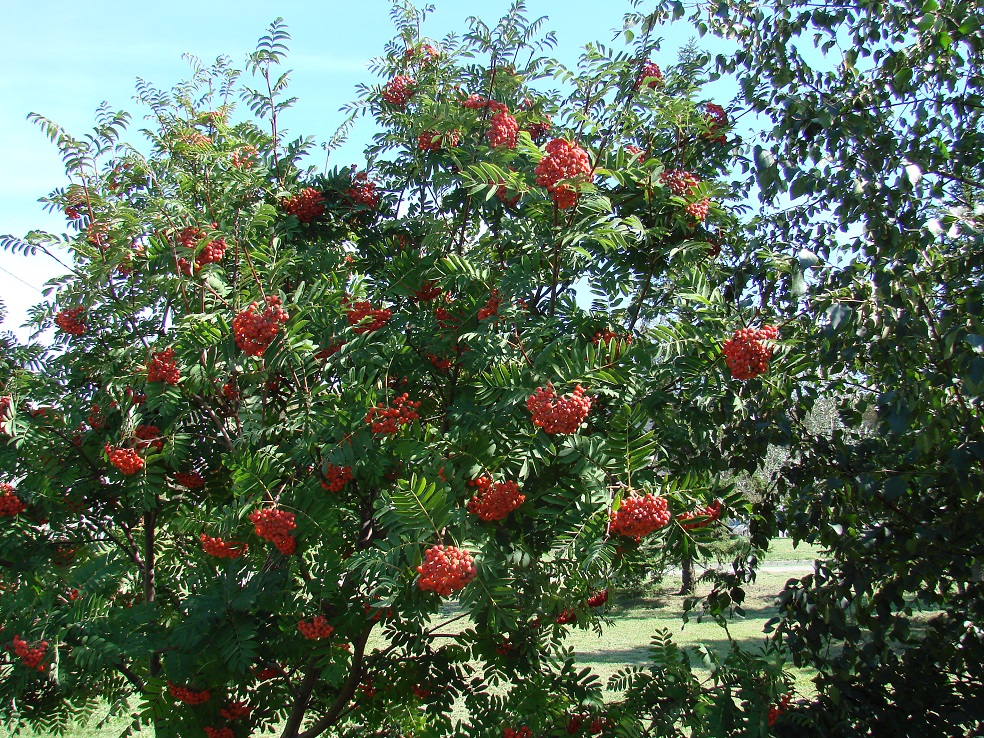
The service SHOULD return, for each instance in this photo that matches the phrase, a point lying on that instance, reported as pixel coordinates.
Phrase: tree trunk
(687, 575)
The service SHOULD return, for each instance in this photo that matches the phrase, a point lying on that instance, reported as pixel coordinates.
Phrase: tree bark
(687, 575)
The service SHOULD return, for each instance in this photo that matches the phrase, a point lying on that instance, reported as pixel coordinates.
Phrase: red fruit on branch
(445, 569)
(778, 709)
(336, 477)
(275, 525)
(32, 658)
(188, 696)
(639, 516)
(253, 331)
(68, 321)
(538, 130)
(598, 599)
(364, 318)
(745, 353)
(399, 90)
(221, 549)
(148, 436)
(717, 119)
(390, 419)
(698, 210)
(558, 414)
(162, 367)
(10, 503)
(316, 628)
(244, 157)
(236, 710)
(225, 732)
(679, 181)
(565, 617)
(436, 140)
(306, 205)
(650, 75)
(475, 102)
(523, 732)
(503, 130)
(191, 480)
(702, 517)
(562, 161)
(494, 501)
(126, 460)
(428, 291)
(362, 191)
(491, 307)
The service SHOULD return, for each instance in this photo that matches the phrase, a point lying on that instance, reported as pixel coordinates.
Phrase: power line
(21, 280)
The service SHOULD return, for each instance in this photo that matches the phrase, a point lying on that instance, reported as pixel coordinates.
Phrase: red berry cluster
(608, 336)
(126, 460)
(253, 331)
(491, 307)
(221, 549)
(444, 317)
(362, 191)
(698, 210)
(716, 119)
(445, 569)
(399, 90)
(706, 515)
(502, 192)
(442, 364)
(306, 205)
(30, 657)
(776, 710)
(598, 599)
(679, 181)
(650, 72)
(563, 160)
(640, 516)
(267, 672)
(196, 139)
(191, 480)
(163, 368)
(148, 436)
(213, 251)
(523, 732)
(358, 312)
(565, 617)
(137, 398)
(425, 52)
(236, 710)
(494, 501)
(244, 157)
(475, 102)
(436, 140)
(274, 525)
(188, 696)
(316, 628)
(745, 353)
(336, 477)
(633, 150)
(97, 234)
(503, 130)
(558, 414)
(10, 503)
(428, 291)
(68, 321)
(225, 732)
(6, 403)
(389, 419)
(539, 129)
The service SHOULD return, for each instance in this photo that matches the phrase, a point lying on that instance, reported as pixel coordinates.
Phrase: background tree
(288, 413)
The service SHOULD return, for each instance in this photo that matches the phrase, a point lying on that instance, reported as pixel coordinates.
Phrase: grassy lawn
(627, 640)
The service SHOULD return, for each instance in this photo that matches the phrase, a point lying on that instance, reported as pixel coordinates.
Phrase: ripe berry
(253, 331)
(212, 252)
(364, 318)
(776, 710)
(539, 129)
(650, 75)
(639, 516)
(717, 119)
(491, 307)
(475, 102)
(636, 151)
(225, 732)
(362, 191)
(68, 321)
(389, 419)
(435, 140)
(745, 353)
(679, 181)
(608, 336)
(399, 90)
(494, 501)
(706, 515)
(698, 210)
(244, 157)
(565, 617)
(523, 732)
(558, 414)
(10, 503)
(191, 480)
(32, 658)
(274, 525)
(223, 549)
(188, 696)
(315, 629)
(445, 570)
(306, 205)
(598, 599)
(562, 161)
(428, 291)
(163, 368)
(503, 130)
(336, 477)
(126, 460)
(148, 436)
(236, 710)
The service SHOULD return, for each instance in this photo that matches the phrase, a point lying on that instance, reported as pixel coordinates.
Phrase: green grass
(626, 641)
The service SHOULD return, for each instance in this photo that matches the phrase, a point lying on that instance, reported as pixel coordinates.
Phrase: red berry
(399, 90)
(306, 205)
(539, 129)
(389, 419)
(236, 710)
(275, 525)
(639, 516)
(32, 658)
(445, 570)
(716, 118)
(494, 501)
(679, 181)
(223, 549)
(244, 157)
(191, 480)
(650, 75)
(565, 617)
(126, 460)
(362, 191)
(148, 436)
(475, 102)
(745, 353)
(253, 331)
(503, 130)
(558, 414)
(523, 732)
(704, 517)
(435, 140)
(698, 210)
(491, 307)
(598, 599)
(188, 696)
(163, 368)
(336, 477)
(68, 321)
(10, 503)
(428, 291)
(562, 161)
(315, 629)
(364, 318)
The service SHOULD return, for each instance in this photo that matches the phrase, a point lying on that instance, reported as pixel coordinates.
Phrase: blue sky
(64, 58)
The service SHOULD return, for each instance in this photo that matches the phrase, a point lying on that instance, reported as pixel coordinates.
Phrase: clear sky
(64, 58)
